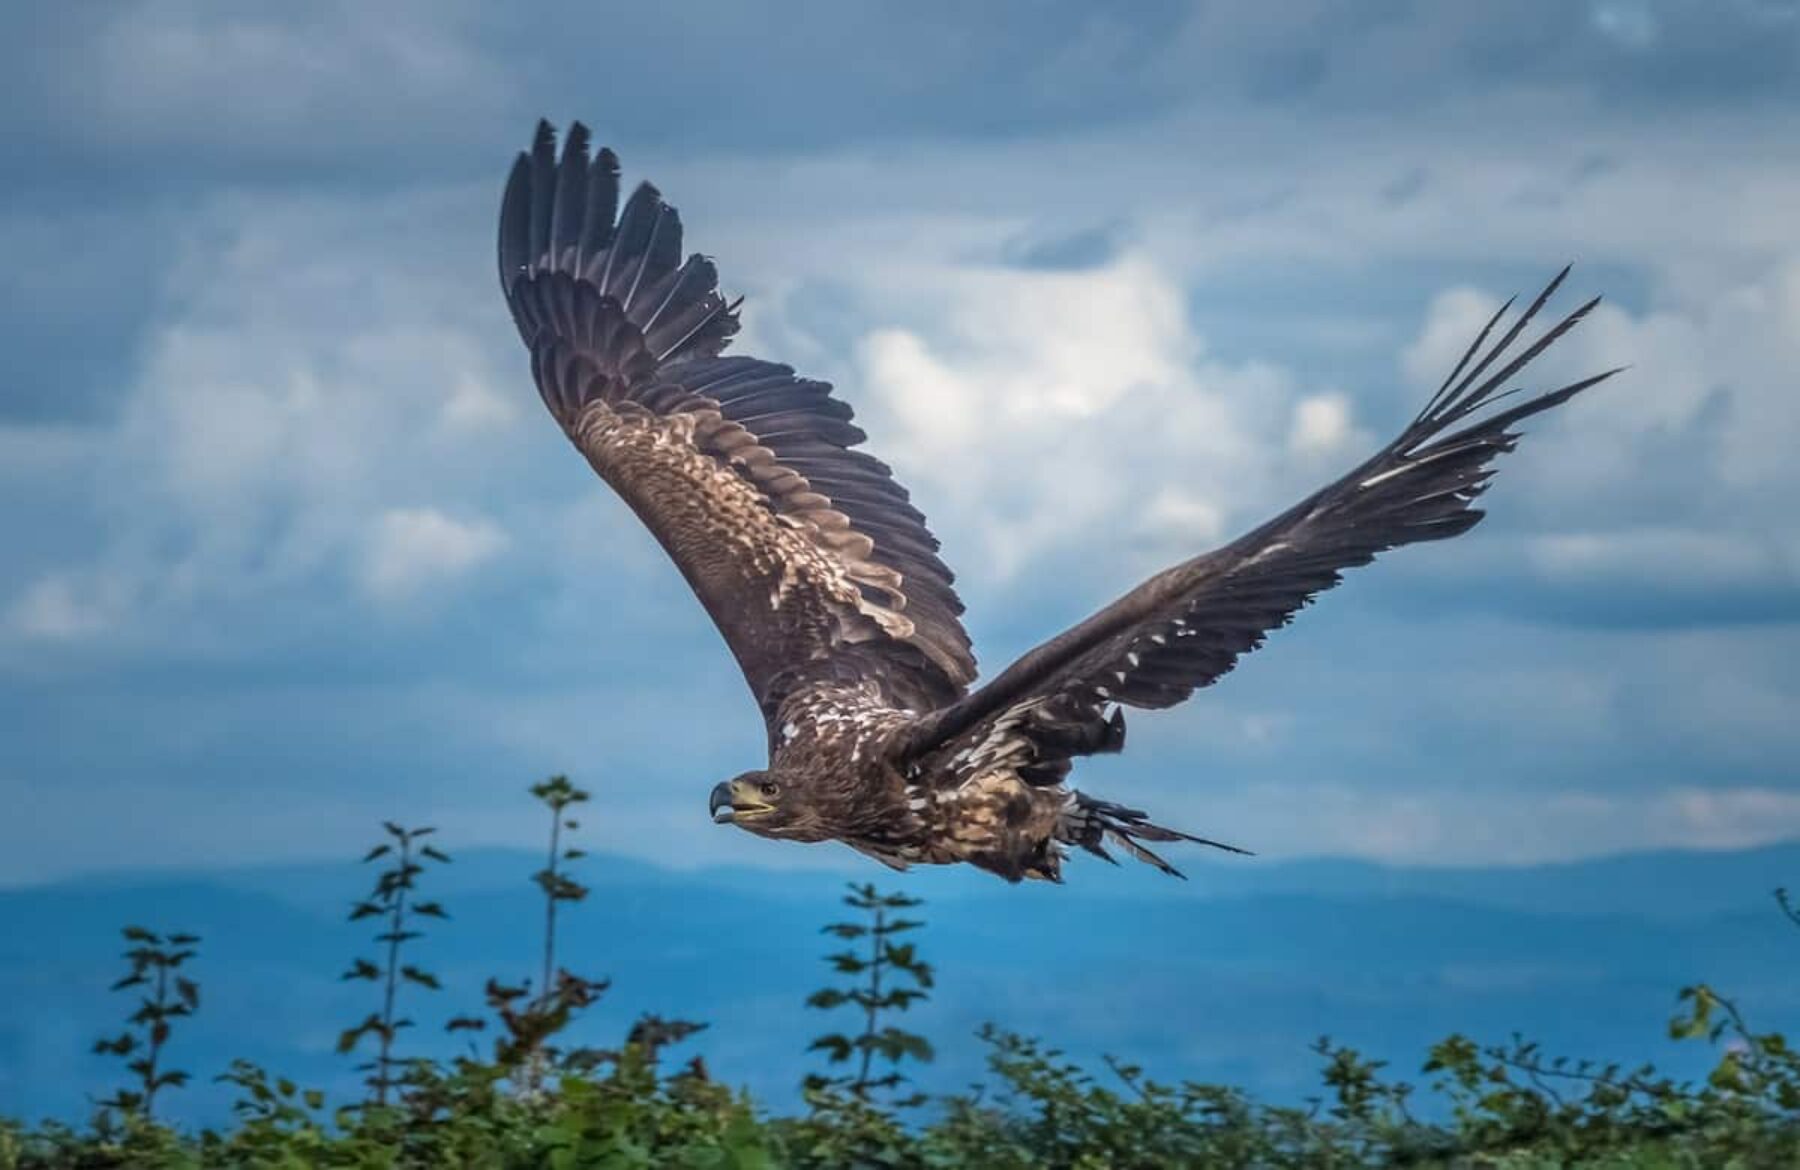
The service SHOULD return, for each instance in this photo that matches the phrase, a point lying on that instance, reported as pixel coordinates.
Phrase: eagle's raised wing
(1187, 626)
(806, 553)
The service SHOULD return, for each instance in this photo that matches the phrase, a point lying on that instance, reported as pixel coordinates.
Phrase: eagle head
(767, 806)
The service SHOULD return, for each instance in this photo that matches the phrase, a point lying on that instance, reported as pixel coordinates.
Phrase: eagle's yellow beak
(735, 799)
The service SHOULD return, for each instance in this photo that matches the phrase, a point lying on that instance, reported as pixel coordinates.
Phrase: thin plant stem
(396, 921)
(157, 1036)
(861, 1088)
(550, 901)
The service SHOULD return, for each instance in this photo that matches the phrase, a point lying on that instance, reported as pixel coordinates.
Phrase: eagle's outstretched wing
(1187, 626)
(806, 553)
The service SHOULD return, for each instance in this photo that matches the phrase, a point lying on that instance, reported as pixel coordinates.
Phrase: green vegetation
(168, 997)
(884, 971)
(532, 1102)
(388, 904)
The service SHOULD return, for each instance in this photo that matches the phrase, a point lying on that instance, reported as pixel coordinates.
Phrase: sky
(291, 547)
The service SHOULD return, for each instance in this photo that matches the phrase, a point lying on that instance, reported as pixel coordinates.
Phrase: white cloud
(297, 380)
(1321, 425)
(60, 606)
(1037, 412)
(1677, 472)
(410, 548)
(473, 405)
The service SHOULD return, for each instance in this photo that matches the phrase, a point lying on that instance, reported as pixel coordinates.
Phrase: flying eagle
(827, 585)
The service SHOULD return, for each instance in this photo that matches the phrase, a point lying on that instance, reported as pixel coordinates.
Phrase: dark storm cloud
(190, 93)
(126, 108)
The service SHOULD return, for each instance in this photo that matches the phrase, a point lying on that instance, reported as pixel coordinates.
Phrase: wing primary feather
(675, 286)
(570, 200)
(543, 194)
(1462, 393)
(1497, 424)
(601, 207)
(1462, 362)
(721, 310)
(1483, 396)
(663, 213)
(515, 223)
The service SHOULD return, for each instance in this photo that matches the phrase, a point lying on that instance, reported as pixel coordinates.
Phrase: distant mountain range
(1228, 977)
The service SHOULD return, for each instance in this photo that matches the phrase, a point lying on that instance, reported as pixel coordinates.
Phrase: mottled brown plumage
(827, 586)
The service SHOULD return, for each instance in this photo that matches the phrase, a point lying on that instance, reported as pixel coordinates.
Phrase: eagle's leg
(1000, 823)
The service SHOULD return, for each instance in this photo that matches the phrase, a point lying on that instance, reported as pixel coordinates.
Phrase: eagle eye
(769, 788)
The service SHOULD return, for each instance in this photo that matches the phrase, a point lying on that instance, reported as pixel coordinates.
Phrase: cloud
(61, 607)
(1321, 425)
(1091, 247)
(1044, 411)
(1669, 480)
(410, 548)
(290, 388)
(301, 81)
(1632, 23)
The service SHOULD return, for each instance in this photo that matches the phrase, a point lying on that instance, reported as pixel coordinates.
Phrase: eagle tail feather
(1090, 823)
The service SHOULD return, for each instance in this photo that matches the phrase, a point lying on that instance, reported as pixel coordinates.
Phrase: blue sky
(291, 546)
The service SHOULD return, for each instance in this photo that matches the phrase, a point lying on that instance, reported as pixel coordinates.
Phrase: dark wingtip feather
(602, 207)
(543, 189)
(1500, 422)
(515, 222)
(571, 197)
(1470, 392)
(1462, 363)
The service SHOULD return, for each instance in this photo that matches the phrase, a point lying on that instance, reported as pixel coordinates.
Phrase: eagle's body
(826, 584)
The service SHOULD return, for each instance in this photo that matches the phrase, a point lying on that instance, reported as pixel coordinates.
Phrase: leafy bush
(533, 1103)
